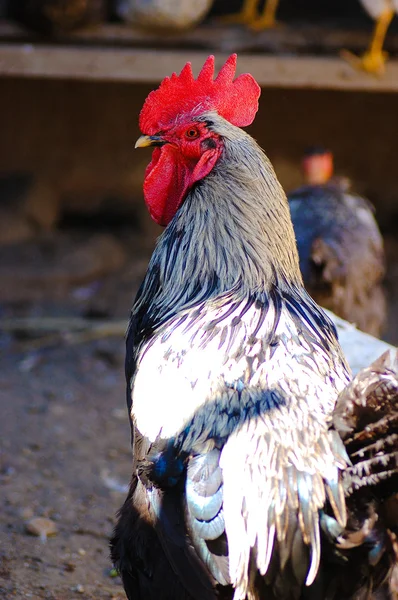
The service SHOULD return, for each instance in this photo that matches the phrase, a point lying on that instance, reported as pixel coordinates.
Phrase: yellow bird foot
(236, 19)
(371, 62)
(263, 23)
(246, 15)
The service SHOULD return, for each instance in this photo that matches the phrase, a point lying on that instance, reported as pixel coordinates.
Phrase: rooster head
(176, 119)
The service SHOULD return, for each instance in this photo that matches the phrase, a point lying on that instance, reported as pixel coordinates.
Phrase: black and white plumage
(341, 252)
(232, 373)
(366, 418)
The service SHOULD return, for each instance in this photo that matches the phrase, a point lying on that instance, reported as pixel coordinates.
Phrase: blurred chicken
(57, 16)
(163, 14)
(340, 245)
(249, 14)
(374, 59)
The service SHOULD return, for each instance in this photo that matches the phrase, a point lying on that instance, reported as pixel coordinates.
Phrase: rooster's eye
(192, 133)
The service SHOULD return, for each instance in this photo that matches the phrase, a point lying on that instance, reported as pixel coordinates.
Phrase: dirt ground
(64, 433)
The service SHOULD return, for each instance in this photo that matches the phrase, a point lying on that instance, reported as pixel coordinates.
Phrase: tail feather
(286, 535)
(204, 512)
(336, 498)
(265, 544)
(273, 497)
(315, 546)
(366, 418)
(299, 557)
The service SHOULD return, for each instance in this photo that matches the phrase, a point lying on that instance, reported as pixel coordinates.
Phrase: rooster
(232, 370)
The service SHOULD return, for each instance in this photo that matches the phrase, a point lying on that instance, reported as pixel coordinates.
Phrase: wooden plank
(150, 66)
(321, 39)
(297, 38)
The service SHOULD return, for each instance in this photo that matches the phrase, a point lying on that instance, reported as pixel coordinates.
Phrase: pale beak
(149, 140)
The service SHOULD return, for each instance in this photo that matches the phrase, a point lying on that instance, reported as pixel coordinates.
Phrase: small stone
(6, 473)
(112, 483)
(58, 410)
(119, 413)
(82, 552)
(41, 527)
(78, 588)
(30, 362)
(27, 513)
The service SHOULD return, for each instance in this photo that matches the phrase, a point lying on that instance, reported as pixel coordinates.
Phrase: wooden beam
(150, 66)
(294, 38)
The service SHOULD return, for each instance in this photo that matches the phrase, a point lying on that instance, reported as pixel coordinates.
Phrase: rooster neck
(235, 224)
(233, 232)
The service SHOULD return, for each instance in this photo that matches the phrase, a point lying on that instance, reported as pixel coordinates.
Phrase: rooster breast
(243, 390)
(229, 344)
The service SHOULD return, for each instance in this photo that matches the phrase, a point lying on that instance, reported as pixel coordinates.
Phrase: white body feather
(176, 376)
(375, 8)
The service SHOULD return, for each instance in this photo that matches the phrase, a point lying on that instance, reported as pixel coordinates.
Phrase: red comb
(235, 100)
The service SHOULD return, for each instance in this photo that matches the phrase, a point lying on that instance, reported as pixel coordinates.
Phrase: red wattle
(168, 179)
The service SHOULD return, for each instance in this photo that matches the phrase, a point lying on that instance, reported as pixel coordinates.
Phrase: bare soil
(64, 434)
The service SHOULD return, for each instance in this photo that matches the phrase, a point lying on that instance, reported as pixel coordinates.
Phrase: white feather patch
(176, 374)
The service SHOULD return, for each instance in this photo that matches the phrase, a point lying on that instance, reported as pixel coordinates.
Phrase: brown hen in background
(340, 245)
